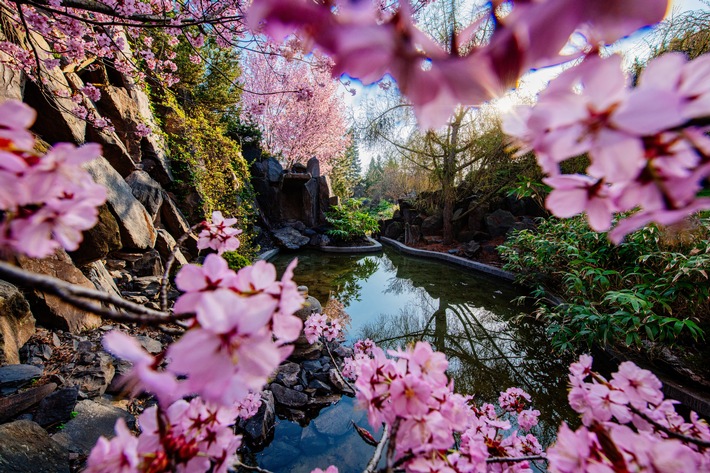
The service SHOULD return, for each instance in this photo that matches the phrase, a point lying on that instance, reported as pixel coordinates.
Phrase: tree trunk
(448, 178)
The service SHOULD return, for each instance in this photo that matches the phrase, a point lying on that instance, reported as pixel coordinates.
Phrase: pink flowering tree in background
(296, 104)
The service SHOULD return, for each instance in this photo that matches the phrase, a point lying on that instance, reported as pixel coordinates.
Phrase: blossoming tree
(296, 105)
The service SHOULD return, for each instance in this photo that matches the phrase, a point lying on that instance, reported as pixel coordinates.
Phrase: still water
(395, 299)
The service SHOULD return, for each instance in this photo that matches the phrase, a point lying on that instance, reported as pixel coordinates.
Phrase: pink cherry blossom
(219, 235)
(330, 469)
(640, 385)
(120, 454)
(573, 194)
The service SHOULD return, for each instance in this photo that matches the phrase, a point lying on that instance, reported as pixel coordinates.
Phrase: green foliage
(235, 260)
(350, 221)
(651, 287)
(383, 210)
(345, 173)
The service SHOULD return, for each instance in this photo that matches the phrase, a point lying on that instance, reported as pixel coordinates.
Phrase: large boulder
(290, 238)
(432, 225)
(273, 170)
(97, 273)
(100, 240)
(50, 310)
(93, 420)
(394, 230)
(165, 244)
(135, 223)
(27, 448)
(147, 191)
(176, 224)
(313, 167)
(259, 427)
(12, 82)
(499, 222)
(16, 323)
(114, 150)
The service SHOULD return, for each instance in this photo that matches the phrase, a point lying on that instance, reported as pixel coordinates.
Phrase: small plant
(73, 414)
(350, 222)
(235, 260)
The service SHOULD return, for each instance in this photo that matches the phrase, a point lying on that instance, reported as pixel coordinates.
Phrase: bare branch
(77, 295)
(372, 464)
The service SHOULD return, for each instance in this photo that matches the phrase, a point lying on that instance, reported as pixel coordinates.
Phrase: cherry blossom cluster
(368, 42)
(318, 325)
(73, 35)
(189, 436)
(628, 426)
(46, 200)
(219, 235)
(646, 149)
(241, 330)
(412, 394)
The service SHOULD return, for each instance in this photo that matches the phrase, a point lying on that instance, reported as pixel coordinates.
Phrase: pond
(394, 299)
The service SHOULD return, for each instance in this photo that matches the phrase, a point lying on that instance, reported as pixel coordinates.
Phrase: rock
(143, 264)
(273, 170)
(312, 365)
(16, 323)
(50, 310)
(313, 167)
(476, 216)
(93, 420)
(297, 224)
(287, 374)
(13, 377)
(54, 116)
(319, 240)
(165, 244)
(334, 421)
(288, 397)
(259, 427)
(14, 404)
(299, 168)
(147, 191)
(432, 225)
(320, 386)
(176, 224)
(310, 203)
(290, 238)
(27, 448)
(95, 376)
(326, 198)
(97, 273)
(471, 248)
(12, 82)
(337, 381)
(57, 407)
(147, 285)
(525, 223)
(394, 230)
(412, 234)
(499, 222)
(99, 240)
(151, 345)
(342, 351)
(135, 223)
(114, 150)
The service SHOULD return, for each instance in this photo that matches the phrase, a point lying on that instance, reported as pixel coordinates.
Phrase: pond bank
(457, 260)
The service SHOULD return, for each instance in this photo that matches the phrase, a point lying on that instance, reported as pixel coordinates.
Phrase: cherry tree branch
(78, 295)
(669, 432)
(515, 459)
(372, 464)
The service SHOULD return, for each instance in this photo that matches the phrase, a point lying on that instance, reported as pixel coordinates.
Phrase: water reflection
(395, 300)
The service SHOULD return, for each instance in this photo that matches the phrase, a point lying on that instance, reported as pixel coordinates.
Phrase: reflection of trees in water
(336, 276)
(346, 284)
(486, 355)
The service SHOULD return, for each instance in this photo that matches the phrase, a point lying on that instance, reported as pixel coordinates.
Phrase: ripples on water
(393, 300)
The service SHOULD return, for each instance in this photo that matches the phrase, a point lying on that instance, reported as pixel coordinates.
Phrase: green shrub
(235, 260)
(350, 222)
(645, 288)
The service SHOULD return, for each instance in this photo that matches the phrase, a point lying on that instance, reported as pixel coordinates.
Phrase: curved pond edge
(376, 246)
(267, 255)
(457, 260)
